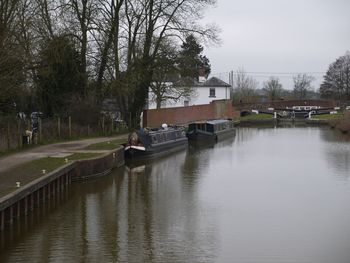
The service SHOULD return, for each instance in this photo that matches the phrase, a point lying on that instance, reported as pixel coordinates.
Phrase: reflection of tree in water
(36, 234)
(197, 159)
(337, 150)
(244, 134)
(163, 214)
(149, 208)
(146, 216)
(338, 156)
(334, 135)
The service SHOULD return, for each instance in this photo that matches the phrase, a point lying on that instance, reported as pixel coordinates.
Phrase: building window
(212, 92)
(186, 103)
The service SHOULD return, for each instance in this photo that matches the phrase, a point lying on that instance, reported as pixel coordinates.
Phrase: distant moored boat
(210, 130)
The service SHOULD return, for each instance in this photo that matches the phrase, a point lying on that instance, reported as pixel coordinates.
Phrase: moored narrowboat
(155, 142)
(210, 130)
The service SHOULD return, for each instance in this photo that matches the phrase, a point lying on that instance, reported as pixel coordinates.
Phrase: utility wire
(271, 73)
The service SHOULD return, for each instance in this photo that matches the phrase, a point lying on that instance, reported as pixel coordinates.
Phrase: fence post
(112, 125)
(88, 130)
(70, 126)
(103, 124)
(19, 134)
(59, 127)
(40, 130)
(130, 124)
(8, 135)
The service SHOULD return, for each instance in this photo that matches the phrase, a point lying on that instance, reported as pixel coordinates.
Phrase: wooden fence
(13, 130)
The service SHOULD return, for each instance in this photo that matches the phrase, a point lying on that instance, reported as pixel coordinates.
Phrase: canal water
(265, 195)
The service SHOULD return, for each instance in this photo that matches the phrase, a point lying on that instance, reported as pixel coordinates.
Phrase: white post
(275, 115)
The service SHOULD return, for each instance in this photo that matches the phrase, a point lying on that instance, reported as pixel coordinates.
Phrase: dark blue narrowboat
(210, 130)
(155, 142)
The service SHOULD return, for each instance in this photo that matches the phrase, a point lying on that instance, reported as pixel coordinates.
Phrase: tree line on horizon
(336, 85)
(69, 55)
(245, 88)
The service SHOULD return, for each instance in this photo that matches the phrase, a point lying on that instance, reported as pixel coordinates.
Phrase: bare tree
(149, 24)
(273, 88)
(78, 17)
(244, 86)
(11, 55)
(302, 85)
(170, 92)
(336, 82)
(119, 41)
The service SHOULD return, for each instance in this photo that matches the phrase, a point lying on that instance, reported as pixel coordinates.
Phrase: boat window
(170, 136)
(178, 134)
(210, 128)
(154, 139)
(159, 138)
(191, 127)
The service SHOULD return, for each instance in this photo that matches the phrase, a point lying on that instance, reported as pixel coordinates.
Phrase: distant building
(203, 92)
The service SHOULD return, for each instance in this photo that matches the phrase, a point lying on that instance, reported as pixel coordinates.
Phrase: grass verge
(106, 145)
(32, 170)
(11, 151)
(261, 116)
(328, 116)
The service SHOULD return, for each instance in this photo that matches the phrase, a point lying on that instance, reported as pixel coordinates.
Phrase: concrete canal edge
(19, 203)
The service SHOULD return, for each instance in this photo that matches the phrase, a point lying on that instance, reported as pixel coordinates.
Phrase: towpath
(9, 163)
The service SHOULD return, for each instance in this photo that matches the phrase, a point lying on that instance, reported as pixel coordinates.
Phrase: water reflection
(337, 151)
(265, 195)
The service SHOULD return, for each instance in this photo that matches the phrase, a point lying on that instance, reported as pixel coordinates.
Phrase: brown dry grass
(344, 124)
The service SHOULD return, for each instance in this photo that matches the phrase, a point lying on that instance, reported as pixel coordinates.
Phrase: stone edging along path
(21, 201)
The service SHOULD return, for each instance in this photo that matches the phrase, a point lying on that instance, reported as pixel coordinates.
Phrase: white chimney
(201, 77)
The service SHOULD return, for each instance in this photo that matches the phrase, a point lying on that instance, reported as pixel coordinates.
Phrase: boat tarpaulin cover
(144, 138)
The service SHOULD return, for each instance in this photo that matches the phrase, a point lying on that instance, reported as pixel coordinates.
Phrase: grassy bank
(336, 116)
(31, 146)
(343, 124)
(107, 145)
(261, 116)
(51, 163)
(30, 171)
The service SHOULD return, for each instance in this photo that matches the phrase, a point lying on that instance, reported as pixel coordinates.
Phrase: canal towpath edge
(10, 162)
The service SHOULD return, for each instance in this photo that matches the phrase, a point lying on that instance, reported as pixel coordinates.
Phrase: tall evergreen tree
(190, 59)
(59, 78)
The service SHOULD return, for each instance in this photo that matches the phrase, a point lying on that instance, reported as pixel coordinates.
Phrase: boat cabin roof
(212, 122)
(156, 136)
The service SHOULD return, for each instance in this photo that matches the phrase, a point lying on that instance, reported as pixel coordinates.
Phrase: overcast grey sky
(279, 36)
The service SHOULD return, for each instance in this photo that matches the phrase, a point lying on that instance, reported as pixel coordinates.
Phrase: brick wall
(182, 115)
